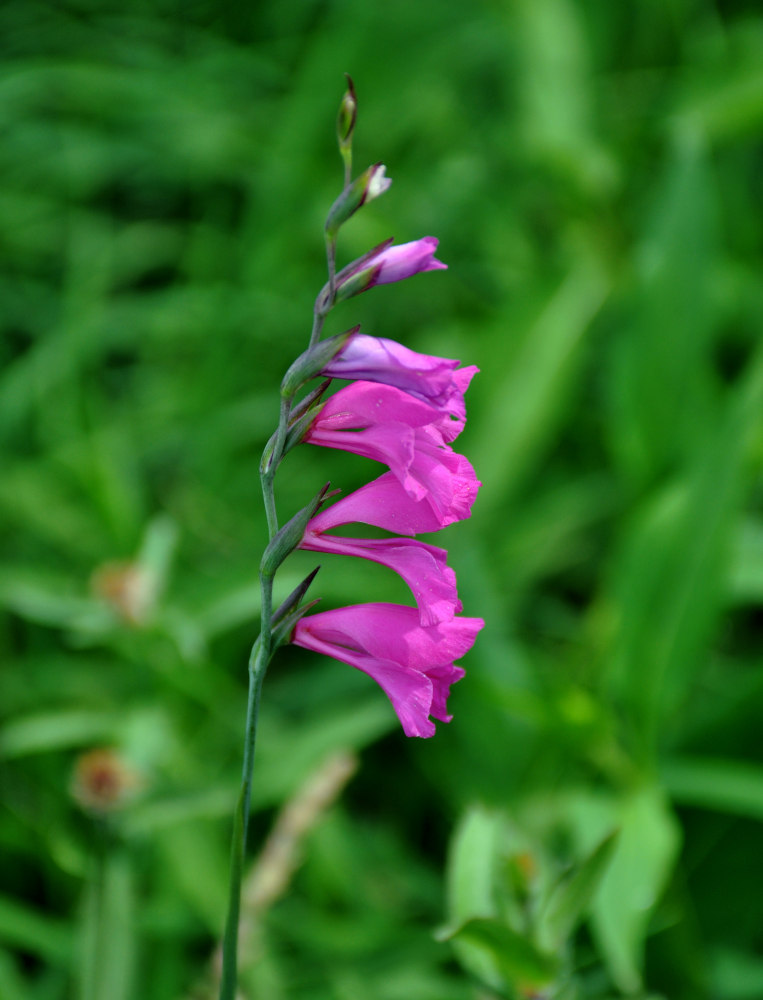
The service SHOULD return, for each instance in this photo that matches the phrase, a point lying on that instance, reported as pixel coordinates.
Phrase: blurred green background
(593, 172)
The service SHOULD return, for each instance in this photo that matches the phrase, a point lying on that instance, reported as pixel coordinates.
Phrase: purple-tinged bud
(385, 264)
(363, 189)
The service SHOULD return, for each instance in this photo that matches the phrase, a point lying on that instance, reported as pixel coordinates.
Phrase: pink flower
(438, 381)
(412, 663)
(423, 567)
(387, 263)
(409, 436)
(384, 503)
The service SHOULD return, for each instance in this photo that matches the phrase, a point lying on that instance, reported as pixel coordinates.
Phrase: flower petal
(383, 503)
(423, 567)
(367, 404)
(403, 261)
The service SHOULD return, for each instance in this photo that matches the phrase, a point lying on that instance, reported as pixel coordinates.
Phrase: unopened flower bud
(369, 185)
(348, 111)
(381, 266)
(345, 122)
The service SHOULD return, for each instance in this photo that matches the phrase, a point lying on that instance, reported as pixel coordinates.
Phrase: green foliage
(588, 824)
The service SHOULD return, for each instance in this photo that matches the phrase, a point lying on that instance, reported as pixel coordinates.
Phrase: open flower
(387, 263)
(437, 381)
(412, 663)
(409, 436)
(423, 567)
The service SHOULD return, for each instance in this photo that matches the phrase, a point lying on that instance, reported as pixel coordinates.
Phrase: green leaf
(472, 865)
(108, 930)
(56, 730)
(736, 975)
(530, 397)
(34, 932)
(730, 786)
(572, 898)
(12, 986)
(630, 888)
(516, 957)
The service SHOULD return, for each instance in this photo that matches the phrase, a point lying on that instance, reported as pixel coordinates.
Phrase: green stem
(258, 662)
(331, 260)
(92, 949)
(107, 960)
(260, 656)
(268, 475)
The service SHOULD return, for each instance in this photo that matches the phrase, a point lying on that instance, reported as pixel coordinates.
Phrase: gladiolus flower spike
(404, 410)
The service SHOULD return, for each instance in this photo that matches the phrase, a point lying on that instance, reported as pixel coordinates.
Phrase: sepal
(290, 535)
(313, 361)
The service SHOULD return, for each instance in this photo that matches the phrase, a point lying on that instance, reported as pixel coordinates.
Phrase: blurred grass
(592, 171)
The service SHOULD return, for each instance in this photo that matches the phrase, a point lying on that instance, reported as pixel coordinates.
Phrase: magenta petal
(411, 662)
(393, 445)
(446, 478)
(367, 404)
(384, 503)
(442, 677)
(423, 567)
(411, 694)
(403, 261)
